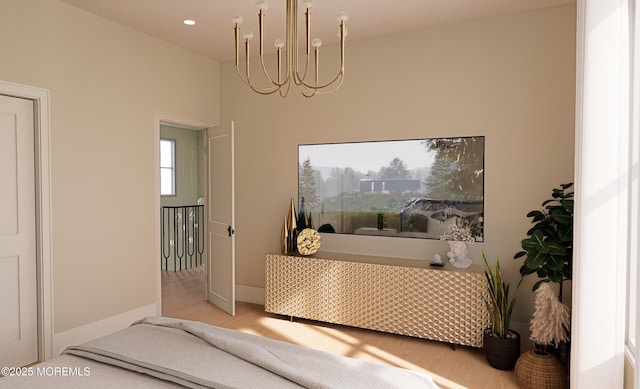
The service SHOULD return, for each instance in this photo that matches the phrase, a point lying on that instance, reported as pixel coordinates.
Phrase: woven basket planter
(540, 371)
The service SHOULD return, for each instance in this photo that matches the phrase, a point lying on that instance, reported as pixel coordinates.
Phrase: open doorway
(182, 217)
(182, 193)
(180, 230)
(218, 265)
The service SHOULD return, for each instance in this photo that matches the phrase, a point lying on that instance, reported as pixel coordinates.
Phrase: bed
(160, 352)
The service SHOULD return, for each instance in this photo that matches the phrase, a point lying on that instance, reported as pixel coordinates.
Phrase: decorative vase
(457, 254)
(302, 216)
(501, 353)
(284, 240)
(536, 370)
(292, 226)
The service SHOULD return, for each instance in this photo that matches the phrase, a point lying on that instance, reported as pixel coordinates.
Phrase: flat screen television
(414, 188)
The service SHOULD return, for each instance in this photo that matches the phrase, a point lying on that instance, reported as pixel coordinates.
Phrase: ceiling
(212, 36)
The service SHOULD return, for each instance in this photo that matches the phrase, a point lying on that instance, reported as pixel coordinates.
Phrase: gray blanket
(198, 355)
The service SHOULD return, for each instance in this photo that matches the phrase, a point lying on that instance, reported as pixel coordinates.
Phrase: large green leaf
(555, 263)
(554, 276)
(556, 247)
(568, 205)
(530, 245)
(538, 238)
(561, 216)
(537, 284)
(535, 260)
(525, 271)
(565, 233)
(536, 214)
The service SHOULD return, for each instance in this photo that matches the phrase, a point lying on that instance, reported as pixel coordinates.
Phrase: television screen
(400, 188)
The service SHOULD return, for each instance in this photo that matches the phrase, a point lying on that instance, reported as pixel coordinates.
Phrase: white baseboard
(250, 294)
(100, 328)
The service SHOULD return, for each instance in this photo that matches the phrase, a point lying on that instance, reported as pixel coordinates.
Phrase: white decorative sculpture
(458, 254)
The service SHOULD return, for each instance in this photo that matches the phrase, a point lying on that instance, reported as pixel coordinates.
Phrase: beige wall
(510, 78)
(107, 82)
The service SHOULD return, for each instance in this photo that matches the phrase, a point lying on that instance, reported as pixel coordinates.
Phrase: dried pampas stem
(551, 319)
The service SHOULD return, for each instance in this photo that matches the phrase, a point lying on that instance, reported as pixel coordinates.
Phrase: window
(167, 167)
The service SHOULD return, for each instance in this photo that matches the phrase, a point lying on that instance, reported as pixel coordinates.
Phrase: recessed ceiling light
(189, 22)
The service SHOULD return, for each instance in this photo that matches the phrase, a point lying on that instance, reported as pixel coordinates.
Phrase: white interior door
(18, 310)
(221, 277)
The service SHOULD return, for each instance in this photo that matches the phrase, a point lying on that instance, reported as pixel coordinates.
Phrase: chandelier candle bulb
(262, 5)
(247, 35)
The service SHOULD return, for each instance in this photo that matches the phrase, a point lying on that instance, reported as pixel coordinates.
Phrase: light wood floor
(183, 296)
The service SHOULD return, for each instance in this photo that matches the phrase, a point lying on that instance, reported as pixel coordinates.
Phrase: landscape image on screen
(402, 188)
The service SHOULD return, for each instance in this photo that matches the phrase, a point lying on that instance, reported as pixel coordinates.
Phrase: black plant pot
(501, 353)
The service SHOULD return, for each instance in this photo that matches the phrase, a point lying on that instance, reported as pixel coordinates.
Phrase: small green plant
(549, 247)
(498, 303)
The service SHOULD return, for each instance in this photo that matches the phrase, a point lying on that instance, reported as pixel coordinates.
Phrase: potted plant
(549, 246)
(501, 344)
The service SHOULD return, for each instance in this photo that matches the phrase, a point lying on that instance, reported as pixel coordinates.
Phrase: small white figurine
(458, 254)
(437, 259)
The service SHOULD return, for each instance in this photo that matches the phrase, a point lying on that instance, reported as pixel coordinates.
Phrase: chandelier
(291, 72)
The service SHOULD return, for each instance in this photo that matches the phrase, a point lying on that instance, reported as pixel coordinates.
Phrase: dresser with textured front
(438, 304)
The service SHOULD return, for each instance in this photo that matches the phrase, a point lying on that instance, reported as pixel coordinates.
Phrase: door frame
(44, 248)
(177, 120)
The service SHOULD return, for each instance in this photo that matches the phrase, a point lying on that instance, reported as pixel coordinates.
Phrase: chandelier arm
(324, 89)
(246, 56)
(292, 38)
(279, 52)
(342, 36)
(302, 87)
(297, 79)
(339, 77)
(261, 38)
(246, 78)
(236, 33)
(284, 91)
(260, 90)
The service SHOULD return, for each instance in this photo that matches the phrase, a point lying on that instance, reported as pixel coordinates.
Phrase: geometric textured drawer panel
(366, 295)
(446, 306)
(297, 287)
(433, 304)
